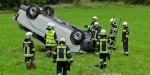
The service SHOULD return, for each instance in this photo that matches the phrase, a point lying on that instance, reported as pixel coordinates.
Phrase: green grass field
(137, 63)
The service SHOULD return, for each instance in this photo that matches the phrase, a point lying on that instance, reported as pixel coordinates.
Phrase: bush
(66, 1)
(0, 6)
(15, 8)
(77, 2)
(147, 2)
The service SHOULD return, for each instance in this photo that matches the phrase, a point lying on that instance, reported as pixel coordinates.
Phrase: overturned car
(33, 18)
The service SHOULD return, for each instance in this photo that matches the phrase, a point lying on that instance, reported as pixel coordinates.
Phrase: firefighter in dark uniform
(63, 57)
(92, 24)
(50, 39)
(102, 46)
(113, 34)
(29, 52)
(95, 30)
(91, 27)
(125, 35)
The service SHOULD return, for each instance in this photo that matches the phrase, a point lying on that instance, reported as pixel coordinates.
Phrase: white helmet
(94, 17)
(103, 32)
(62, 39)
(51, 25)
(112, 20)
(28, 34)
(125, 24)
(96, 23)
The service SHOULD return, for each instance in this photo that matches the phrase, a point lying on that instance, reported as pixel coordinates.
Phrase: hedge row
(14, 4)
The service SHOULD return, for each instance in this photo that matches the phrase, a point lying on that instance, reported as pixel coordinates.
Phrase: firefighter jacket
(125, 35)
(91, 26)
(51, 37)
(102, 44)
(114, 29)
(62, 53)
(28, 46)
(95, 32)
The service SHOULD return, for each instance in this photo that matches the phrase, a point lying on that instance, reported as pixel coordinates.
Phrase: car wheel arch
(77, 36)
(32, 12)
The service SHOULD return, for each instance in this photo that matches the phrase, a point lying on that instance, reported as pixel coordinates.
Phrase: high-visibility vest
(50, 40)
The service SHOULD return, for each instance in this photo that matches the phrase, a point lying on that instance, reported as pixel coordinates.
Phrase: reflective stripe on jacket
(103, 45)
(62, 53)
(50, 40)
(29, 49)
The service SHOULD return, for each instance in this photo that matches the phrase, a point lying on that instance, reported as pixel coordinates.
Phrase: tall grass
(137, 63)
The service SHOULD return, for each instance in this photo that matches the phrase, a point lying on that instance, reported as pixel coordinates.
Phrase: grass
(137, 63)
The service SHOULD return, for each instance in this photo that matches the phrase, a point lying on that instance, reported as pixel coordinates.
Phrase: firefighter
(95, 30)
(92, 24)
(125, 35)
(29, 51)
(113, 34)
(102, 46)
(50, 39)
(63, 57)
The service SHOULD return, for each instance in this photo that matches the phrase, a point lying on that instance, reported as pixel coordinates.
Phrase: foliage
(9, 4)
(77, 2)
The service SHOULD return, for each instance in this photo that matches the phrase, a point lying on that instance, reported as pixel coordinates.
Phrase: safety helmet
(103, 32)
(96, 23)
(28, 34)
(51, 25)
(62, 39)
(112, 20)
(94, 17)
(125, 24)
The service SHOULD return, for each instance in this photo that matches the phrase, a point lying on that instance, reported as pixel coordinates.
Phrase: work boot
(27, 66)
(105, 65)
(48, 54)
(126, 54)
(101, 65)
(34, 65)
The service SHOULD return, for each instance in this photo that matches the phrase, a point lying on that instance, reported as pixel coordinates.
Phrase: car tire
(77, 36)
(50, 8)
(32, 12)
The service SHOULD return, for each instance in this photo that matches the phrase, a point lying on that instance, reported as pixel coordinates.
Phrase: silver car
(33, 18)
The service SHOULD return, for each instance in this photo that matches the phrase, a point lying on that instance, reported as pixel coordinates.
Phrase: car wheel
(48, 10)
(33, 11)
(77, 36)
